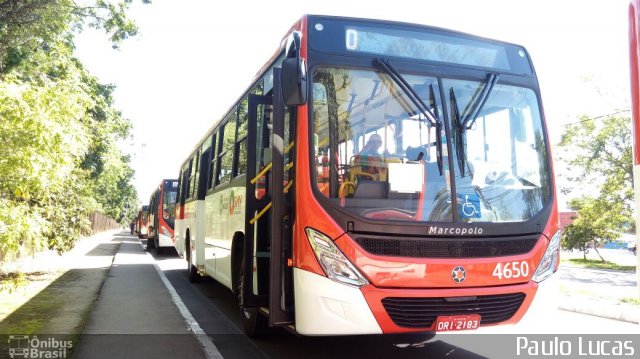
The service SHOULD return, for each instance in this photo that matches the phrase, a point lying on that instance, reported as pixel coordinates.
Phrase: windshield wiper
(417, 101)
(478, 102)
(457, 121)
(465, 122)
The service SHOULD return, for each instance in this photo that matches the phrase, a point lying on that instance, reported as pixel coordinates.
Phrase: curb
(564, 265)
(617, 311)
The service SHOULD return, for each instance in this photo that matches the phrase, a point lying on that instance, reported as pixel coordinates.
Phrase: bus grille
(422, 312)
(448, 248)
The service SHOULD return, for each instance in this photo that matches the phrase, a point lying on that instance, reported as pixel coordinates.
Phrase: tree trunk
(595, 247)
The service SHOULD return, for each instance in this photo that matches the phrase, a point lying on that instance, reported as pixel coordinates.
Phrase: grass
(30, 321)
(598, 264)
(630, 300)
(9, 282)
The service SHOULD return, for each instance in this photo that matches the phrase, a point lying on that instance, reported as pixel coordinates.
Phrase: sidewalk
(58, 290)
(134, 315)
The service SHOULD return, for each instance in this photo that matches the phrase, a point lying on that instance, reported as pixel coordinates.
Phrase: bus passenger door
(281, 277)
(255, 290)
(267, 220)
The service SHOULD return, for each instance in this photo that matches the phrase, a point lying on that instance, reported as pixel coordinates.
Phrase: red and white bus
(162, 209)
(376, 177)
(141, 222)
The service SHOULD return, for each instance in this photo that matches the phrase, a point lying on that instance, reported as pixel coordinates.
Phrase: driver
(369, 159)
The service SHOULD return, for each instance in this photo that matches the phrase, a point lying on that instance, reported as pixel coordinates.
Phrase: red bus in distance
(162, 215)
(141, 222)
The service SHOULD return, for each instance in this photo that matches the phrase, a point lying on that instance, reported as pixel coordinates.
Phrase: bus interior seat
(371, 189)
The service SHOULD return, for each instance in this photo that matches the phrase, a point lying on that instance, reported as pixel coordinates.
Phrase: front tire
(194, 277)
(254, 323)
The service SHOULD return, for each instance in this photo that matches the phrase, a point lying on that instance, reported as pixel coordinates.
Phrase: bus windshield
(501, 174)
(169, 202)
(375, 153)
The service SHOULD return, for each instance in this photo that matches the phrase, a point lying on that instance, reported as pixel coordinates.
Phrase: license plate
(447, 323)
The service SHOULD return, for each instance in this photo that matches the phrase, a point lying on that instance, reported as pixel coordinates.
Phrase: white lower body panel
(164, 241)
(326, 307)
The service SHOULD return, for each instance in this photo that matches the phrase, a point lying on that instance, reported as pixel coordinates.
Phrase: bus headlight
(549, 263)
(334, 263)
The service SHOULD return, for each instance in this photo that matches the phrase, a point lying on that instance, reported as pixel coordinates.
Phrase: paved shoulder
(134, 315)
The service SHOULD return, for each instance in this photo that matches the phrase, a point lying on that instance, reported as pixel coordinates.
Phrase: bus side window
(188, 184)
(241, 142)
(195, 173)
(225, 158)
(212, 163)
(202, 178)
(179, 188)
(241, 148)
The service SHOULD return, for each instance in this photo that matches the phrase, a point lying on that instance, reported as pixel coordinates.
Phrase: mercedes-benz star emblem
(458, 274)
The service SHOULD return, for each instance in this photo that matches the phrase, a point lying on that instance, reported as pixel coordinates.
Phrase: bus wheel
(253, 322)
(194, 277)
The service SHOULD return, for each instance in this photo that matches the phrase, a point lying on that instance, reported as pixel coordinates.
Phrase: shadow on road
(216, 309)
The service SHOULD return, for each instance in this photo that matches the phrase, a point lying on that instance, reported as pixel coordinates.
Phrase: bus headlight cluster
(549, 262)
(334, 263)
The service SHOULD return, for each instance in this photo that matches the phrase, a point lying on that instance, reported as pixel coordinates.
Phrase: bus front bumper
(326, 307)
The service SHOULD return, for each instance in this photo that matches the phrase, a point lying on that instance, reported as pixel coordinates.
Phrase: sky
(192, 59)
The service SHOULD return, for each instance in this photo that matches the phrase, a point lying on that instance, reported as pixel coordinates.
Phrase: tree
(600, 151)
(29, 25)
(59, 159)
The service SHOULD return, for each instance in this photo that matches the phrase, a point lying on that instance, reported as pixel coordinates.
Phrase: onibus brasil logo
(25, 346)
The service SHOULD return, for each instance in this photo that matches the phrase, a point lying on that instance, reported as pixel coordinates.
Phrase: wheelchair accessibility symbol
(469, 206)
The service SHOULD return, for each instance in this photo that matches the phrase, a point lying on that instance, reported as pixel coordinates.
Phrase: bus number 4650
(511, 270)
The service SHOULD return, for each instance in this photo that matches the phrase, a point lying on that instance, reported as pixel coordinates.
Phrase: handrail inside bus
(268, 167)
(262, 173)
(262, 212)
(268, 206)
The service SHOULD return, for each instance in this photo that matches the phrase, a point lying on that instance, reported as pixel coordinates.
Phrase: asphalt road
(215, 309)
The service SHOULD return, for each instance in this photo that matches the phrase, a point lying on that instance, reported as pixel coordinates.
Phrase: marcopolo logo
(458, 274)
(25, 346)
(457, 231)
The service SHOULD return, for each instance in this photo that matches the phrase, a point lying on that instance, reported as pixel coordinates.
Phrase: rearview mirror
(294, 73)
